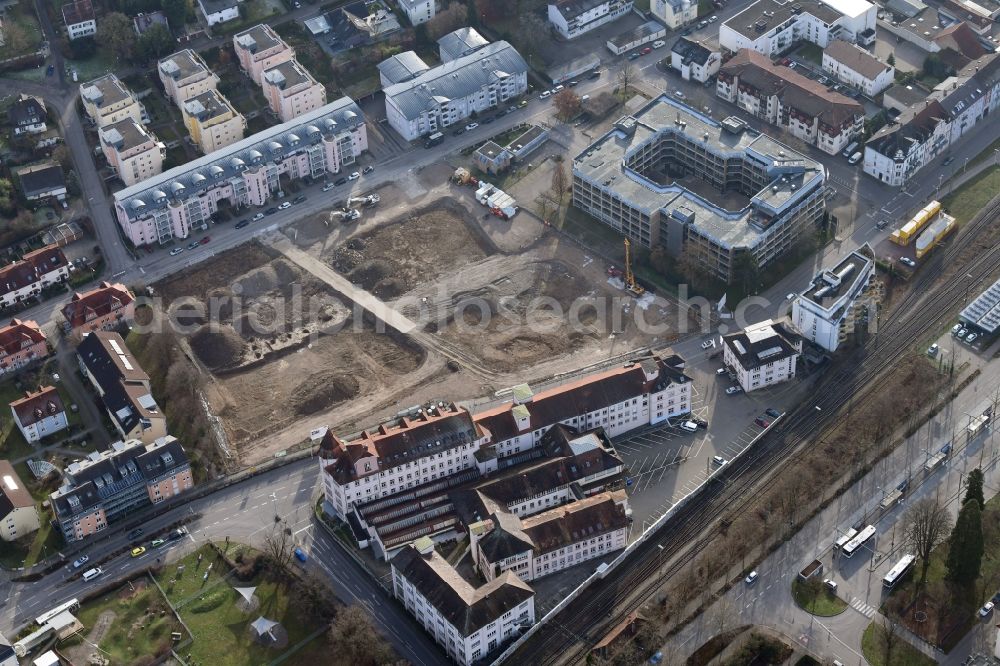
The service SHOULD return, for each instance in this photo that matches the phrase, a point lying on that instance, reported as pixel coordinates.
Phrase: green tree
(891, 60)
(177, 12)
(115, 33)
(965, 547)
(155, 43)
(82, 48)
(7, 198)
(974, 488)
(935, 67)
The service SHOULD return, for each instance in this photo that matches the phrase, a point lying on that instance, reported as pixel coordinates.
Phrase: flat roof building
(184, 75)
(826, 312)
(771, 27)
(291, 90)
(983, 313)
(107, 100)
(572, 18)
(260, 48)
(132, 151)
(212, 121)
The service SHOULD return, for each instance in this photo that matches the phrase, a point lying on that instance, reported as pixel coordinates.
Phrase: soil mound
(322, 390)
(217, 346)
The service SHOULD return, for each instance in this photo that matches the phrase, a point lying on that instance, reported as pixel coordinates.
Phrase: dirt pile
(323, 390)
(217, 346)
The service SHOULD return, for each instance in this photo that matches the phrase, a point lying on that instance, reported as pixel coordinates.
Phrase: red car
(204, 241)
(646, 51)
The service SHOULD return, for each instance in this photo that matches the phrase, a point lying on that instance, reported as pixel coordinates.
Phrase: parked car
(285, 205)
(340, 181)
(971, 337)
(299, 199)
(205, 240)
(367, 170)
(646, 51)
(633, 55)
(177, 533)
(763, 423)
(545, 93)
(772, 412)
(523, 103)
(138, 550)
(955, 329)
(701, 423)
(300, 555)
(488, 119)
(354, 175)
(881, 225)
(193, 244)
(177, 250)
(948, 160)
(962, 332)
(933, 350)
(713, 18)
(679, 94)
(257, 217)
(791, 296)
(242, 223)
(573, 84)
(328, 187)
(80, 561)
(733, 390)
(459, 132)
(271, 211)
(719, 460)
(986, 609)
(558, 89)
(721, 371)
(907, 261)
(688, 426)
(156, 543)
(830, 584)
(659, 44)
(751, 578)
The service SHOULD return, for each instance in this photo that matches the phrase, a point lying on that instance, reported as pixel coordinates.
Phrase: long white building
(771, 27)
(825, 313)
(572, 18)
(245, 173)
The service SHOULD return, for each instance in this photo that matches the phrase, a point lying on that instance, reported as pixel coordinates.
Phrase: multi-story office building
(653, 175)
(185, 75)
(796, 103)
(761, 355)
(39, 414)
(122, 385)
(107, 100)
(21, 343)
(468, 622)
(451, 92)
(212, 121)
(675, 13)
(292, 91)
(108, 485)
(551, 541)
(857, 68)
(771, 27)
(826, 312)
(259, 49)
(694, 60)
(132, 151)
(572, 18)
(106, 307)
(18, 516)
(418, 11)
(246, 173)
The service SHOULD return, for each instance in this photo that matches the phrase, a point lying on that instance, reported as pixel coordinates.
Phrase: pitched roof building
(18, 516)
(102, 308)
(39, 414)
(857, 67)
(41, 181)
(460, 42)
(79, 17)
(21, 342)
(762, 355)
(27, 115)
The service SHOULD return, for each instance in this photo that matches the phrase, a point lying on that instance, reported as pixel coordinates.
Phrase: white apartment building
(18, 516)
(219, 11)
(572, 18)
(291, 90)
(826, 312)
(457, 43)
(553, 540)
(449, 93)
(418, 11)
(39, 414)
(107, 100)
(675, 13)
(694, 60)
(246, 173)
(761, 355)
(132, 151)
(184, 75)
(468, 622)
(21, 280)
(79, 18)
(259, 49)
(857, 68)
(771, 27)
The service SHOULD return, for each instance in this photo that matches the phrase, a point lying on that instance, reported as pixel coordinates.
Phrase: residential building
(401, 67)
(857, 68)
(460, 42)
(902, 98)
(783, 97)
(18, 516)
(675, 13)
(259, 49)
(694, 60)
(901, 148)
(761, 355)
(449, 93)
(959, 45)
(212, 121)
(553, 540)
(108, 485)
(146, 20)
(219, 11)
(132, 151)
(104, 308)
(39, 414)
(122, 385)
(572, 18)
(651, 177)
(21, 343)
(771, 27)
(418, 11)
(246, 173)
(291, 90)
(41, 181)
(185, 75)
(826, 313)
(37, 270)
(27, 115)
(107, 100)
(468, 622)
(80, 20)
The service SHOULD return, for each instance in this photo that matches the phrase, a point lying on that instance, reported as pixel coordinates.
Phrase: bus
(898, 570)
(859, 540)
(848, 535)
(70, 605)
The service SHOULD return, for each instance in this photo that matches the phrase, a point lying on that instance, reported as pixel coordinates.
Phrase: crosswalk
(863, 608)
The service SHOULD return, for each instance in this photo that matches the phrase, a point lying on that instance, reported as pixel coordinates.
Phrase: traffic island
(815, 598)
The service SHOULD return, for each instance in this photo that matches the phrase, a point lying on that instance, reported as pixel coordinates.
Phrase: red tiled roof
(96, 303)
(78, 12)
(36, 406)
(46, 259)
(17, 276)
(14, 336)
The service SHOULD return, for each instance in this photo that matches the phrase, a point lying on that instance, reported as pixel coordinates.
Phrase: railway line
(569, 634)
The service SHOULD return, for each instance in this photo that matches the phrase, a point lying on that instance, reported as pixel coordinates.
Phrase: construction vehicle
(634, 287)
(463, 177)
(614, 272)
(345, 215)
(367, 201)
(499, 202)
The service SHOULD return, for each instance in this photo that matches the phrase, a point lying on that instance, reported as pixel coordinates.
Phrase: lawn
(21, 22)
(987, 153)
(903, 654)
(27, 551)
(965, 202)
(101, 63)
(821, 602)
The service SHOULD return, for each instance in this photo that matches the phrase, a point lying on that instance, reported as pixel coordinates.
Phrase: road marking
(863, 608)
(302, 529)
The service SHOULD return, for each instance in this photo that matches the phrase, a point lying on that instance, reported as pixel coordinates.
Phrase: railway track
(568, 636)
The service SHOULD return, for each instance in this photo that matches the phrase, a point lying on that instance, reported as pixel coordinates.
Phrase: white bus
(898, 570)
(842, 541)
(859, 540)
(70, 605)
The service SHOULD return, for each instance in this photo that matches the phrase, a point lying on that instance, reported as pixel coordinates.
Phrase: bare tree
(534, 31)
(626, 77)
(567, 103)
(926, 524)
(560, 182)
(721, 614)
(356, 642)
(888, 639)
(446, 21)
(279, 546)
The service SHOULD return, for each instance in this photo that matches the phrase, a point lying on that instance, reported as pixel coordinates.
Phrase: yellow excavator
(634, 287)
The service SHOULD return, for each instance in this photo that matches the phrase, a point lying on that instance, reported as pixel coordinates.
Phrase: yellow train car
(937, 230)
(909, 231)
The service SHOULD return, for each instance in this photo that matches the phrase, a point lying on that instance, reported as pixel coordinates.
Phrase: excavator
(634, 287)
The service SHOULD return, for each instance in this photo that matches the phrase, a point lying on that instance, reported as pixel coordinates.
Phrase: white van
(91, 574)
(850, 149)
(855, 158)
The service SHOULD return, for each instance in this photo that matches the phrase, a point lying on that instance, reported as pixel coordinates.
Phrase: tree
(445, 21)
(974, 488)
(887, 633)
(925, 526)
(177, 12)
(115, 32)
(626, 77)
(534, 31)
(746, 272)
(7, 197)
(567, 104)
(891, 60)
(279, 547)
(560, 182)
(965, 547)
(935, 67)
(155, 43)
(355, 641)
(82, 48)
